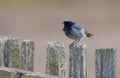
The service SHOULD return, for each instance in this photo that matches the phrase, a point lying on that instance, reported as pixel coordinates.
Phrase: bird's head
(68, 22)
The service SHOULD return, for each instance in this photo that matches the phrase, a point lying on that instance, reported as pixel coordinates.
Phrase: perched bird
(75, 31)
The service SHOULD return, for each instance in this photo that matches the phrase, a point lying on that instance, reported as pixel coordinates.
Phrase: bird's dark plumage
(74, 31)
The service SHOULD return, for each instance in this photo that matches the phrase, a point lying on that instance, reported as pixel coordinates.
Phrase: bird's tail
(88, 34)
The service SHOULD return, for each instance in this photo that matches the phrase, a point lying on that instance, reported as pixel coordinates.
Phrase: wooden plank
(106, 63)
(2, 41)
(55, 63)
(12, 53)
(77, 61)
(27, 55)
(17, 73)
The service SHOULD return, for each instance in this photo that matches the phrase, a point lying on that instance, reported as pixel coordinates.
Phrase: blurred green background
(56, 2)
(40, 21)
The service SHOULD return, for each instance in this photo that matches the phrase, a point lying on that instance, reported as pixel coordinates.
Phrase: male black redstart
(74, 31)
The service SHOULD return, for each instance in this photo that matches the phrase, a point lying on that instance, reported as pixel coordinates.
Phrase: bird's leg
(77, 41)
(72, 43)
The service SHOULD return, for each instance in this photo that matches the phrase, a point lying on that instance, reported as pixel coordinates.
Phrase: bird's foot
(71, 45)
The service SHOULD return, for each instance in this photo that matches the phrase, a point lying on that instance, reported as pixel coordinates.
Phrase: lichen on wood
(27, 55)
(77, 61)
(106, 63)
(2, 41)
(12, 53)
(55, 59)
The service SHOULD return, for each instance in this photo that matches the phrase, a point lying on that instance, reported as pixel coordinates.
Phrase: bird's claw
(71, 45)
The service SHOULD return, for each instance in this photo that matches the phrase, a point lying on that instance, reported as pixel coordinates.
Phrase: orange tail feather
(89, 35)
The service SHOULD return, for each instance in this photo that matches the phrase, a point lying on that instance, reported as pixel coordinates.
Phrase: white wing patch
(83, 32)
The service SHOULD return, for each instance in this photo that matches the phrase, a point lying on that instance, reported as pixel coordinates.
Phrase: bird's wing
(77, 27)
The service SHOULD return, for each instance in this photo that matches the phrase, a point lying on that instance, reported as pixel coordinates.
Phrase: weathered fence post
(12, 53)
(77, 61)
(27, 55)
(2, 41)
(105, 63)
(55, 63)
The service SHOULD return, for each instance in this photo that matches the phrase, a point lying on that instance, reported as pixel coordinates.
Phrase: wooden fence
(13, 55)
